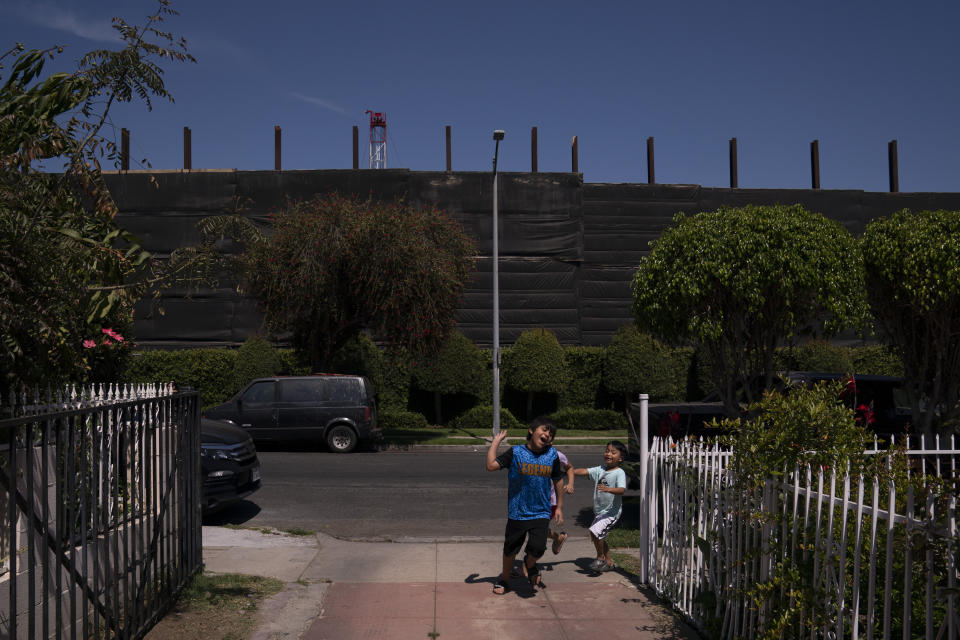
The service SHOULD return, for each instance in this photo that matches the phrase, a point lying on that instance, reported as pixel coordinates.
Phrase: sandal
(558, 542)
(501, 587)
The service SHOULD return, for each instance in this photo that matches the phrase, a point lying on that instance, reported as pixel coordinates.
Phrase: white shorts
(602, 524)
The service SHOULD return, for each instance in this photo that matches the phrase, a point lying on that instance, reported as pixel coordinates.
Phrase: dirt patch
(216, 607)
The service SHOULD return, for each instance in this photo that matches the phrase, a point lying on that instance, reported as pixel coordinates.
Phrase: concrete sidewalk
(432, 589)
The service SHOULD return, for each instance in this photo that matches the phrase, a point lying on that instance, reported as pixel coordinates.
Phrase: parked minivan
(341, 410)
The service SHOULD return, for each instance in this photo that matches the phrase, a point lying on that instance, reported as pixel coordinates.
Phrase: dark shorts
(535, 532)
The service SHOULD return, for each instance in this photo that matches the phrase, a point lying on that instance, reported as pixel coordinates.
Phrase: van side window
(342, 390)
(301, 391)
(259, 393)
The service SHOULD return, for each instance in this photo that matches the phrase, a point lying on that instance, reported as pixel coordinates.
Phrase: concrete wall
(567, 249)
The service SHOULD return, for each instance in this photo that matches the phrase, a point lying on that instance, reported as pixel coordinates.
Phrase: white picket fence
(850, 557)
(16, 403)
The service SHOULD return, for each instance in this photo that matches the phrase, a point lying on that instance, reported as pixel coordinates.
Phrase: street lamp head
(498, 134)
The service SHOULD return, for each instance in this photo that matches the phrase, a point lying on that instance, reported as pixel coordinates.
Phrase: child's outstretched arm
(570, 475)
(492, 464)
(581, 472)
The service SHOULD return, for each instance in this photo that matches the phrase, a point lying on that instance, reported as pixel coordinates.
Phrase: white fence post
(644, 498)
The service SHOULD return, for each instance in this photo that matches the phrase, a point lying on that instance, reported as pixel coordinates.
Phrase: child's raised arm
(492, 464)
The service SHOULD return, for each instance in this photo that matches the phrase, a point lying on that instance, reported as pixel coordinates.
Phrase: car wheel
(341, 439)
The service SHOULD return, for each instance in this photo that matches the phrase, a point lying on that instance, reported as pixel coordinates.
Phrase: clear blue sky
(773, 74)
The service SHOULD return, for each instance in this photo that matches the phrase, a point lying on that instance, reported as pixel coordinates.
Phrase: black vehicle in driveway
(340, 410)
(228, 463)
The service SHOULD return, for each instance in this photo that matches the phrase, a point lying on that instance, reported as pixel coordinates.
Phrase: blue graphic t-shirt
(531, 476)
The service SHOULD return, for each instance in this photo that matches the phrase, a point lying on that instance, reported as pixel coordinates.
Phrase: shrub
(585, 365)
(256, 358)
(291, 364)
(395, 392)
(820, 355)
(636, 363)
(392, 419)
(210, 371)
(876, 360)
(481, 417)
(590, 419)
(458, 368)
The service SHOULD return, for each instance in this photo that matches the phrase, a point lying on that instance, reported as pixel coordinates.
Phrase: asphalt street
(391, 495)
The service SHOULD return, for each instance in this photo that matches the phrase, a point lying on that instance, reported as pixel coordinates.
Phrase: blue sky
(692, 75)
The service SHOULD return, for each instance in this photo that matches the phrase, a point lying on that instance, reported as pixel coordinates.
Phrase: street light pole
(497, 136)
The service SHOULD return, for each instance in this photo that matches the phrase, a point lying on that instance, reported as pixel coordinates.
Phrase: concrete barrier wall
(567, 249)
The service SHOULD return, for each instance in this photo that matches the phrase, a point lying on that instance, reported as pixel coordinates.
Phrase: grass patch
(222, 607)
(299, 532)
(620, 538)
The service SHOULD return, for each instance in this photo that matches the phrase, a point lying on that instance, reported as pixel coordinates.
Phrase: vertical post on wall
(187, 162)
(894, 170)
(574, 156)
(356, 147)
(651, 179)
(533, 150)
(124, 150)
(644, 500)
(449, 161)
(733, 163)
(497, 136)
(276, 148)
(815, 164)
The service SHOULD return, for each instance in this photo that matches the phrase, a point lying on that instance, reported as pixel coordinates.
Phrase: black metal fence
(100, 523)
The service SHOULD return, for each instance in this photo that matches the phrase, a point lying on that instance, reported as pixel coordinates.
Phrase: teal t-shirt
(607, 504)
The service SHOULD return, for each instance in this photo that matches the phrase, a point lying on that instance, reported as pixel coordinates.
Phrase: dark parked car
(229, 464)
(341, 410)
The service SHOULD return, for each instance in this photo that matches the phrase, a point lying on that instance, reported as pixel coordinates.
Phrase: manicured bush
(459, 368)
(392, 419)
(820, 355)
(291, 364)
(210, 371)
(585, 365)
(481, 417)
(535, 365)
(876, 360)
(394, 393)
(591, 419)
(636, 363)
(256, 358)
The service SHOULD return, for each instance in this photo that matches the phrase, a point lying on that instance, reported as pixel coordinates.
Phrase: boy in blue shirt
(533, 468)
(610, 483)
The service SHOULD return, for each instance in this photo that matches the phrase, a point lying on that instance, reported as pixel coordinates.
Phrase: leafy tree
(636, 363)
(67, 272)
(458, 368)
(912, 262)
(738, 282)
(535, 364)
(333, 266)
(256, 358)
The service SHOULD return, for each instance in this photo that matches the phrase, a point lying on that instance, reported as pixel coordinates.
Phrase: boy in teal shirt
(610, 483)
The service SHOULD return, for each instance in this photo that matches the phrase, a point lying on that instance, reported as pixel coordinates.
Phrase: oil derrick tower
(378, 140)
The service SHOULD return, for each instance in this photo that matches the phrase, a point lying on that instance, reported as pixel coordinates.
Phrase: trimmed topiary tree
(458, 368)
(535, 364)
(738, 282)
(585, 365)
(912, 263)
(636, 363)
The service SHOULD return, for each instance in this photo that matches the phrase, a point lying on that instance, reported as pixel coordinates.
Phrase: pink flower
(113, 334)
(89, 344)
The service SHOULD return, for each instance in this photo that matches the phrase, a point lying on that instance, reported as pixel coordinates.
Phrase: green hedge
(392, 419)
(585, 365)
(210, 371)
(481, 417)
(682, 373)
(590, 419)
